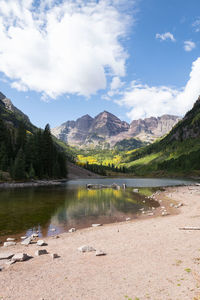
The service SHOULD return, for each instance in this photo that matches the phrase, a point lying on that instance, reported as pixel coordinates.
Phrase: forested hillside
(27, 152)
(177, 153)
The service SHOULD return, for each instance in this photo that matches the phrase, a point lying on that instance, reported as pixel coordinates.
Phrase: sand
(146, 259)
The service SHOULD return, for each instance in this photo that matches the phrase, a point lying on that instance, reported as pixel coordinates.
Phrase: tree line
(26, 155)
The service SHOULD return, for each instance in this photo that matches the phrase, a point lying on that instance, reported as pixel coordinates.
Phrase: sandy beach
(146, 259)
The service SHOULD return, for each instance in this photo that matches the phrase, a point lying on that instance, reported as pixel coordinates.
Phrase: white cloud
(116, 83)
(189, 46)
(70, 47)
(196, 25)
(165, 36)
(146, 101)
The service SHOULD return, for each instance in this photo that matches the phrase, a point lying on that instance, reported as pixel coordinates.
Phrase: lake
(27, 210)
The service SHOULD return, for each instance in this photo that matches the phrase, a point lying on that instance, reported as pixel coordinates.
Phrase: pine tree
(19, 166)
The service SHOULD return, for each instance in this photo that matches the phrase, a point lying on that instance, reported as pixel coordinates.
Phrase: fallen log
(189, 228)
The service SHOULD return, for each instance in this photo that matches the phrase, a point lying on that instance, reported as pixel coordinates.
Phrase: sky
(61, 59)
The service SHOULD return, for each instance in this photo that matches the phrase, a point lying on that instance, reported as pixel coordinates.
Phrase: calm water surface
(23, 211)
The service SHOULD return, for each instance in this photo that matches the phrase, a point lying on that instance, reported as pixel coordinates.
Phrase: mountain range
(106, 130)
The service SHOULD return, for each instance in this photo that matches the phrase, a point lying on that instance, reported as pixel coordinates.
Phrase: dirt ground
(146, 259)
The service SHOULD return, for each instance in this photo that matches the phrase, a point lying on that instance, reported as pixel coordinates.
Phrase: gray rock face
(106, 129)
(11, 107)
(2, 96)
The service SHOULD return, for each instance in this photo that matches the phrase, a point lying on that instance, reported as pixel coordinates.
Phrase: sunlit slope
(177, 153)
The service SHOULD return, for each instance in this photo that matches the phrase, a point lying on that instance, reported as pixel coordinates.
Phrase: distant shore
(145, 259)
(33, 183)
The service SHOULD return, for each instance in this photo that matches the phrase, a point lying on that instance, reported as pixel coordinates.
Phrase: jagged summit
(2, 96)
(106, 129)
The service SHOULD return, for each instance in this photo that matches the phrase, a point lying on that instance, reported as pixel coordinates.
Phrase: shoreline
(147, 259)
(33, 183)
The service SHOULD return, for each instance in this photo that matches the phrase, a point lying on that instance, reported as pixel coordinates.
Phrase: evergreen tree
(19, 166)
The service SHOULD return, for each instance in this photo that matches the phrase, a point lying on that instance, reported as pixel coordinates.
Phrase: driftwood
(189, 228)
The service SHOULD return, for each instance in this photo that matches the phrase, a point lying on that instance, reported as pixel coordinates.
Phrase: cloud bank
(146, 101)
(72, 47)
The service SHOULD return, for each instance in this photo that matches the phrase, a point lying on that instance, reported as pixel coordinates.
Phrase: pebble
(96, 225)
(18, 257)
(86, 248)
(56, 237)
(41, 252)
(27, 241)
(164, 213)
(128, 219)
(54, 255)
(34, 235)
(179, 205)
(41, 243)
(7, 244)
(100, 253)
(72, 230)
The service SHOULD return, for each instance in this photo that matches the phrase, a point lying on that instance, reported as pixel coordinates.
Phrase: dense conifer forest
(27, 155)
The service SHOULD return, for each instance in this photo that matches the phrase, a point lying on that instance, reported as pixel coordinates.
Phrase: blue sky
(62, 59)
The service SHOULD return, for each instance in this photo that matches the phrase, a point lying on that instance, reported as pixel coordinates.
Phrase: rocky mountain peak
(106, 129)
(9, 106)
(2, 96)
